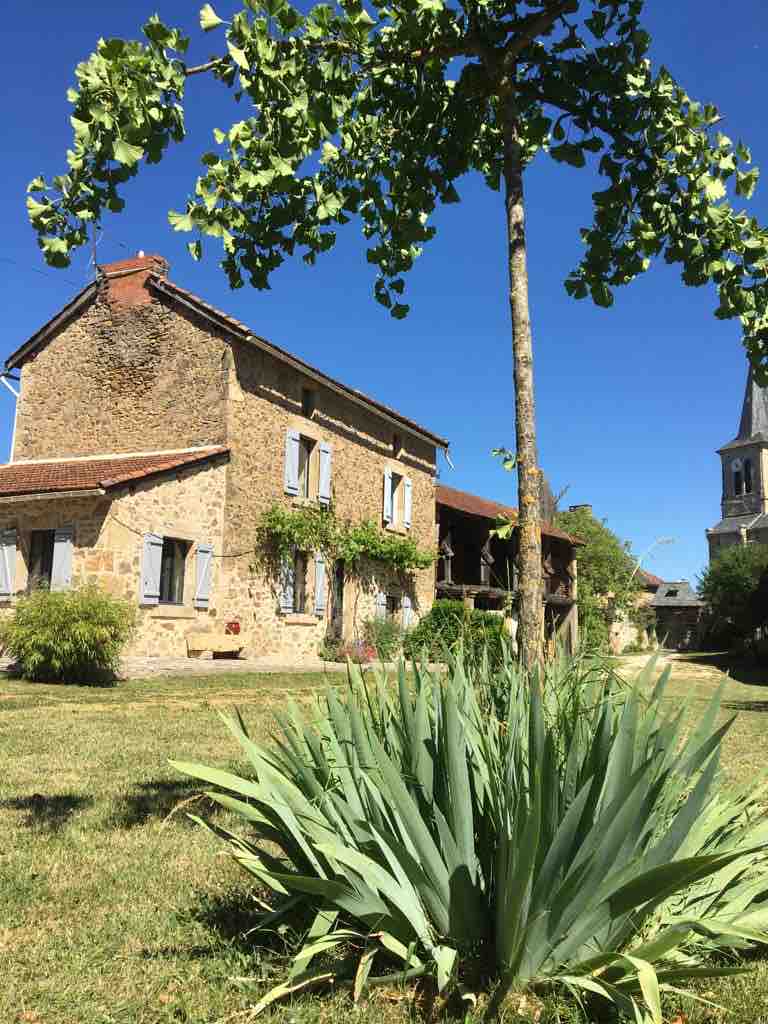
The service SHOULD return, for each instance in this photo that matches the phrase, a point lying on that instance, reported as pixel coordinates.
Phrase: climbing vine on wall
(282, 530)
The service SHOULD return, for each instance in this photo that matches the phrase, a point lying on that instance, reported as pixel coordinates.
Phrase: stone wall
(265, 401)
(108, 543)
(122, 378)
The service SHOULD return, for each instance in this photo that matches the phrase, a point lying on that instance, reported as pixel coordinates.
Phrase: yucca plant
(582, 841)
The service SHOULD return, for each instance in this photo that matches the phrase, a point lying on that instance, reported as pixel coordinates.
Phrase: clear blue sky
(632, 402)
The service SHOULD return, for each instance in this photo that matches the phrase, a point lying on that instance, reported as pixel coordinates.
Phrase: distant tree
(378, 113)
(733, 587)
(608, 582)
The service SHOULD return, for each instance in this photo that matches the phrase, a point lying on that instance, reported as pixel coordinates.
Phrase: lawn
(115, 908)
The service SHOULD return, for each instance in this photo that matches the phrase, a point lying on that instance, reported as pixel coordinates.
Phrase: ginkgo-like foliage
(377, 110)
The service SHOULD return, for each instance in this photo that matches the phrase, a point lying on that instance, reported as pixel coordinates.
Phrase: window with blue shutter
(407, 503)
(151, 564)
(292, 462)
(7, 564)
(61, 570)
(407, 611)
(203, 574)
(324, 481)
(319, 583)
(387, 514)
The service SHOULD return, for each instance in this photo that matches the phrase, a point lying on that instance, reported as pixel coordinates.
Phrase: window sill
(396, 528)
(300, 619)
(305, 502)
(173, 611)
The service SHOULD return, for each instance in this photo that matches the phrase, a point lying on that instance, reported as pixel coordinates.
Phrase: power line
(34, 270)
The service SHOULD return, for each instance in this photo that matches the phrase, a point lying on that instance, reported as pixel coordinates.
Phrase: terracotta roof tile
(474, 505)
(18, 478)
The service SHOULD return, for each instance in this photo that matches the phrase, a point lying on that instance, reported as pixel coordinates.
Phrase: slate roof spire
(754, 412)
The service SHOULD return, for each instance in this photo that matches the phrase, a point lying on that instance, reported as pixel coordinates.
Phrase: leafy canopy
(378, 111)
(607, 578)
(731, 587)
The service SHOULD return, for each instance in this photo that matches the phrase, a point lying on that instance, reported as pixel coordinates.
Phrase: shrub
(68, 635)
(450, 624)
(358, 651)
(582, 843)
(385, 636)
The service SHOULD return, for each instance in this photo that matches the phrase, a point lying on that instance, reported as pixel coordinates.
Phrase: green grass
(114, 908)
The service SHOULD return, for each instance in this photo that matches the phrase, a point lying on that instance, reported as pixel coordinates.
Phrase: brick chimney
(124, 283)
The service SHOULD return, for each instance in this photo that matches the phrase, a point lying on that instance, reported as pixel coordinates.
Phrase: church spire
(754, 412)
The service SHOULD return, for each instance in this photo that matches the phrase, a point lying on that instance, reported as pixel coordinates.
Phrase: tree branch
(200, 69)
(536, 24)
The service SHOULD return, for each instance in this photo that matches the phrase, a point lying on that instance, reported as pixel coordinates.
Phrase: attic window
(397, 445)
(308, 402)
(671, 593)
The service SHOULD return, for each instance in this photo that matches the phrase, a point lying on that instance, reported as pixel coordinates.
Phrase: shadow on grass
(51, 812)
(741, 668)
(159, 799)
(97, 678)
(235, 918)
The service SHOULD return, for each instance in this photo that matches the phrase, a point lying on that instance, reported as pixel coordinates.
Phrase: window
(300, 582)
(172, 561)
(738, 479)
(308, 402)
(671, 593)
(393, 606)
(396, 498)
(747, 476)
(41, 557)
(397, 445)
(306, 447)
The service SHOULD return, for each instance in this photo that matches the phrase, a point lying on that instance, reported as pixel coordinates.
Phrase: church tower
(744, 506)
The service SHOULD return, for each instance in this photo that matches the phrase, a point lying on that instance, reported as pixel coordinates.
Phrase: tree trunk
(530, 629)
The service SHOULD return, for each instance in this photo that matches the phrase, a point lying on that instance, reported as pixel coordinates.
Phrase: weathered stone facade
(264, 402)
(144, 370)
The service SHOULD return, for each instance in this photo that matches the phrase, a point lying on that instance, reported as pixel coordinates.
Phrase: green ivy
(281, 530)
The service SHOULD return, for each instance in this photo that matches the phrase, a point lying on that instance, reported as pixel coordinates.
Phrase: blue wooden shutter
(319, 583)
(287, 578)
(324, 485)
(292, 462)
(203, 573)
(407, 503)
(7, 563)
(387, 515)
(151, 560)
(381, 605)
(61, 571)
(407, 611)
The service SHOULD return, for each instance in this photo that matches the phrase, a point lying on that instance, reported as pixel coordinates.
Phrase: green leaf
(195, 249)
(125, 153)
(238, 56)
(713, 187)
(180, 221)
(209, 19)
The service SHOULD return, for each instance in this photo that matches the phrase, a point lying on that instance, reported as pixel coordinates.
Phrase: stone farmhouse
(152, 431)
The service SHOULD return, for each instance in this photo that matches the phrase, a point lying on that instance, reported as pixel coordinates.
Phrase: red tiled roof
(87, 474)
(476, 506)
(649, 580)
